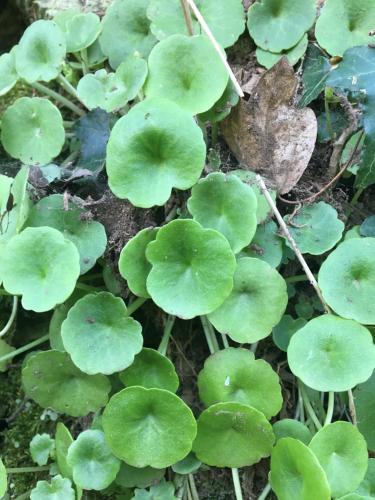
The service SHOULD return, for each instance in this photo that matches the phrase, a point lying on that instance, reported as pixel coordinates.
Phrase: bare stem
(136, 304)
(352, 410)
(293, 244)
(166, 335)
(57, 97)
(25, 348)
(237, 484)
(265, 492)
(330, 407)
(187, 16)
(12, 316)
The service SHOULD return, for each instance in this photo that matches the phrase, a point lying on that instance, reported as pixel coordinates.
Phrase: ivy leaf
(316, 69)
(93, 131)
(356, 73)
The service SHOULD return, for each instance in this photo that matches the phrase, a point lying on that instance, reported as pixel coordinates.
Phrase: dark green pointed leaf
(316, 69)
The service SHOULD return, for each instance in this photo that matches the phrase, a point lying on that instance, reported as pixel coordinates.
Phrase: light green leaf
(266, 245)
(8, 73)
(367, 486)
(131, 477)
(293, 429)
(3, 479)
(161, 491)
(294, 54)
(58, 489)
(42, 446)
(63, 439)
(80, 29)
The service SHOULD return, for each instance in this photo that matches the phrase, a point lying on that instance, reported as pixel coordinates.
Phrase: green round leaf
(222, 107)
(279, 25)
(8, 73)
(63, 439)
(294, 54)
(296, 472)
(187, 465)
(58, 489)
(133, 265)
(32, 130)
(353, 232)
(111, 91)
(347, 280)
(42, 266)
(3, 479)
(233, 435)
(367, 486)
(342, 452)
(285, 329)
(126, 30)
(93, 464)
(266, 244)
(41, 447)
(155, 147)
(192, 269)
(316, 228)
(364, 395)
(80, 29)
(5, 349)
(134, 477)
(99, 336)
(232, 375)
(263, 208)
(255, 305)
(350, 21)
(226, 204)
(161, 491)
(148, 427)
(41, 51)
(53, 381)
(332, 354)
(151, 370)
(293, 429)
(368, 226)
(225, 17)
(178, 71)
(88, 236)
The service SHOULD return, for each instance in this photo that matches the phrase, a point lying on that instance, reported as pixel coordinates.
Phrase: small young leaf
(88, 236)
(178, 71)
(347, 280)
(368, 227)
(187, 465)
(151, 369)
(233, 435)
(192, 269)
(316, 228)
(133, 265)
(292, 428)
(277, 26)
(80, 29)
(32, 130)
(332, 354)
(53, 381)
(41, 51)
(42, 266)
(350, 22)
(99, 336)
(295, 468)
(63, 439)
(255, 305)
(285, 329)
(161, 491)
(126, 30)
(222, 107)
(59, 489)
(161, 434)
(226, 204)
(93, 464)
(155, 147)
(342, 452)
(41, 447)
(364, 395)
(135, 477)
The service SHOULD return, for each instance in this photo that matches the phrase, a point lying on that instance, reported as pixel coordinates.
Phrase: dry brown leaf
(268, 134)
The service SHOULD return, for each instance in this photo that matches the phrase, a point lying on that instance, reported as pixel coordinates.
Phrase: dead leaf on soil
(268, 134)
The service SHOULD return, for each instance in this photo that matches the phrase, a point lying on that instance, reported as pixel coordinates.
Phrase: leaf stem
(297, 278)
(330, 407)
(225, 340)
(57, 97)
(24, 470)
(309, 408)
(237, 484)
(88, 288)
(265, 492)
(12, 316)
(166, 335)
(187, 16)
(207, 333)
(352, 410)
(193, 488)
(65, 83)
(85, 63)
(25, 348)
(136, 304)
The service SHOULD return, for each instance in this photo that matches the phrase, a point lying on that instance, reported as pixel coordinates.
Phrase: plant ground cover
(187, 251)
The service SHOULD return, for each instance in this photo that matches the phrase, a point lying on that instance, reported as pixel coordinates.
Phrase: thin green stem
(254, 347)
(163, 347)
(207, 333)
(65, 83)
(309, 408)
(297, 278)
(237, 484)
(25, 348)
(193, 488)
(24, 470)
(70, 159)
(57, 97)
(12, 317)
(330, 407)
(68, 123)
(85, 62)
(88, 288)
(136, 304)
(215, 343)
(265, 492)
(225, 340)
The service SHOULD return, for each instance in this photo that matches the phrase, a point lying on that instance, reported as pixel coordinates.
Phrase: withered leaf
(268, 134)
